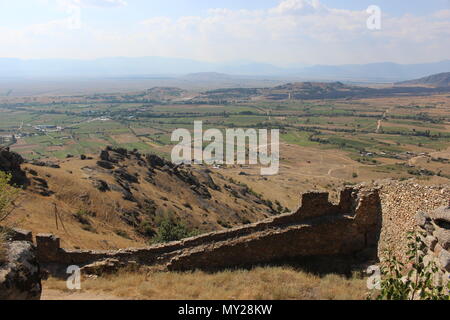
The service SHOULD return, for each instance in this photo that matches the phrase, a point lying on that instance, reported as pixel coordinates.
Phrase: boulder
(107, 266)
(105, 164)
(20, 277)
(422, 219)
(124, 175)
(47, 164)
(10, 162)
(443, 237)
(20, 235)
(444, 259)
(441, 217)
(155, 161)
(430, 242)
(101, 185)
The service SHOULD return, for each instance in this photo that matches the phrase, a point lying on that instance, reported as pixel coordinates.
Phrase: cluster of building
(48, 128)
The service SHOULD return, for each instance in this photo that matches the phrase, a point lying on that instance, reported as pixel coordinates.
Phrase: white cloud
(291, 32)
(97, 3)
(300, 31)
(299, 7)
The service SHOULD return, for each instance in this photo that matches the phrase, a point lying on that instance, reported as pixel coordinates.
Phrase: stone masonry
(318, 228)
(436, 227)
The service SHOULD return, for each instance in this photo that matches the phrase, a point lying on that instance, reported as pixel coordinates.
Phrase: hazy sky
(281, 32)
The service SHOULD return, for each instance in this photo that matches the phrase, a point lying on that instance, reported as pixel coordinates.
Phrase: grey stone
(430, 242)
(443, 237)
(444, 259)
(20, 277)
(421, 219)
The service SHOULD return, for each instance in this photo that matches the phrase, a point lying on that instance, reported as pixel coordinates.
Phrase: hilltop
(311, 91)
(435, 80)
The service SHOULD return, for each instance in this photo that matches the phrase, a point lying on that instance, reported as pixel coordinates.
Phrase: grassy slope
(262, 283)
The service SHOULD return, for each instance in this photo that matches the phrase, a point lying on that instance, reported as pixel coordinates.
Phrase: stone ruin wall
(435, 227)
(318, 228)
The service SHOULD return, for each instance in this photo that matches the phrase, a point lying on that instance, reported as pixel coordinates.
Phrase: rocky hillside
(118, 199)
(435, 80)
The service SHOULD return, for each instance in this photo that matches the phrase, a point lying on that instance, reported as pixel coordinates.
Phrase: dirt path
(51, 294)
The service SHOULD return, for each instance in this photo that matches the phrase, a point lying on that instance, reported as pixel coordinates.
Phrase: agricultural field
(324, 141)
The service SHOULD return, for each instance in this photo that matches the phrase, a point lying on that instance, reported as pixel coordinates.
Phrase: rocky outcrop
(10, 163)
(318, 228)
(107, 266)
(436, 229)
(17, 234)
(47, 164)
(20, 276)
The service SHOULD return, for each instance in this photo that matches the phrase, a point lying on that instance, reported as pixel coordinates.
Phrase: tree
(8, 196)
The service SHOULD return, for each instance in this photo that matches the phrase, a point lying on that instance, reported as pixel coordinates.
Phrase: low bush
(171, 230)
(416, 280)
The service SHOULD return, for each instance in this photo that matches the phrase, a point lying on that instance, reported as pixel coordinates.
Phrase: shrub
(224, 224)
(171, 230)
(122, 234)
(412, 281)
(82, 217)
(145, 228)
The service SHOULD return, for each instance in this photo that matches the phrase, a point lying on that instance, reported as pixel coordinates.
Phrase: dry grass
(269, 283)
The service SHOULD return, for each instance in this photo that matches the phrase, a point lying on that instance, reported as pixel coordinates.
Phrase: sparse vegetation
(171, 230)
(145, 228)
(122, 233)
(82, 217)
(8, 194)
(224, 224)
(261, 283)
(416, 280)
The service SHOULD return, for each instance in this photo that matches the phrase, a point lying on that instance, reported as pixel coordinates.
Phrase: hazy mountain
(436, 80)
(145, 66)
(207, 76)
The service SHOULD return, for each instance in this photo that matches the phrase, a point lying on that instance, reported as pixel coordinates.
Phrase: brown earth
(70, 202)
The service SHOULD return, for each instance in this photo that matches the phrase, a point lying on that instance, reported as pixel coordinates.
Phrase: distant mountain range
(436, 80)
(172, 67)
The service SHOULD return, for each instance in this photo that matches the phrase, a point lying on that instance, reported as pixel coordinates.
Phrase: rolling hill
(119, 198)
(436, 80)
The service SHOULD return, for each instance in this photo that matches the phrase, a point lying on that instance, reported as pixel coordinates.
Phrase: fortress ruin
(317, 228)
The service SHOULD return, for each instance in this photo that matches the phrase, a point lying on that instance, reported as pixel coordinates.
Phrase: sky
(280, 32)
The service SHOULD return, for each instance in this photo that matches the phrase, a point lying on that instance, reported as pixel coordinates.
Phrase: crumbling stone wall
(318, 228)
(436, 227)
